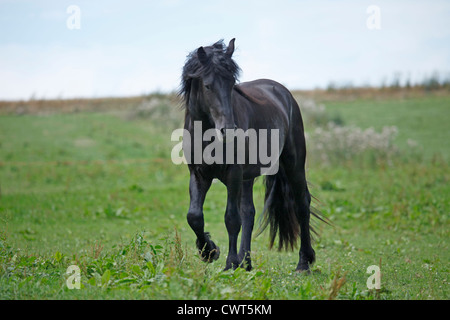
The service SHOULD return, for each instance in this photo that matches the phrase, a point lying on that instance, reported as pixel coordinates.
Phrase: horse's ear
(202, 56)
(230, 48)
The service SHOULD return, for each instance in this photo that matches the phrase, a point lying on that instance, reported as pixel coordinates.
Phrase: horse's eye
(207, 87)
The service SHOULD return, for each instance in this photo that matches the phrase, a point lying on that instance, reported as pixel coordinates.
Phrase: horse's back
(266, 98)
(271, 102)
(263, 91)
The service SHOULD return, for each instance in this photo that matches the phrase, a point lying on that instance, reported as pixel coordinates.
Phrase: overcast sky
(125, 48)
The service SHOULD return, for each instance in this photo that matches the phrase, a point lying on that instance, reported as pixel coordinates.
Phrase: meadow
(90, 183)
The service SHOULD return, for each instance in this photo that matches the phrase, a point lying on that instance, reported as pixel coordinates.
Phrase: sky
(126, 48)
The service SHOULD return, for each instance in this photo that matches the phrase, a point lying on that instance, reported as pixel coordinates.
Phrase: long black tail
(282, 211)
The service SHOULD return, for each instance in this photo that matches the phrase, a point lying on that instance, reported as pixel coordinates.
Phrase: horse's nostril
(235, 127)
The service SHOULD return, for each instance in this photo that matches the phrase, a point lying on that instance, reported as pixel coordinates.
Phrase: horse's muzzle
(227, 134)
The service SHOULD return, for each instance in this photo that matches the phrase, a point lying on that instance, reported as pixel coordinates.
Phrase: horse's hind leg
(297, 181)
(306, 254)
(198, 187)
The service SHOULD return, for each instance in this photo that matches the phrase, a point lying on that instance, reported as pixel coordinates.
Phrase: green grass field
(98, 190)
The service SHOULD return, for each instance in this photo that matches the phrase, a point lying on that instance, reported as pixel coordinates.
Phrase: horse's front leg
(198, 187)
(232, 218)
(247, 212)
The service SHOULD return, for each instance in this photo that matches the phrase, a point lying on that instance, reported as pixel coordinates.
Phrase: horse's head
(208, 79)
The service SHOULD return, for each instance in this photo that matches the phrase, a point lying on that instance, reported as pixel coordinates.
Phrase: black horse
(214, 100)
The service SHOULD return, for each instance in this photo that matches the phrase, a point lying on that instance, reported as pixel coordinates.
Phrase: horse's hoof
(210, 251)
(210, 255)
(303, 271)
(303, 267)
(215, 254)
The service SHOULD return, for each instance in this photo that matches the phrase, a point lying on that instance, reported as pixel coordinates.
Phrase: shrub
(162, 110)
(314, 114)
(333, 144)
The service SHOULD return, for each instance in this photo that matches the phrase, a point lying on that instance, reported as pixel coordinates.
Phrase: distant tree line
(431, 82)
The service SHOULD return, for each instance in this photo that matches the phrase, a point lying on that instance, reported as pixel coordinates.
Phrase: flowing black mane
(218, 62)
